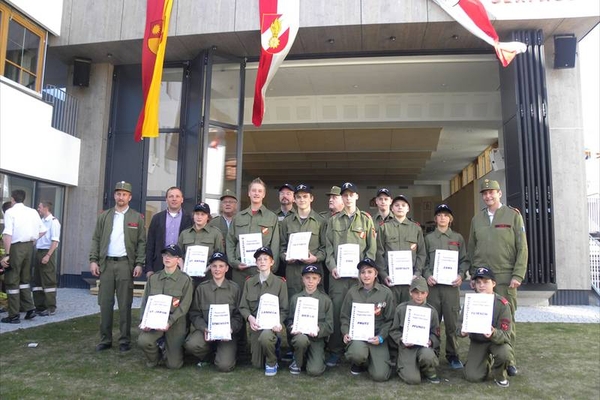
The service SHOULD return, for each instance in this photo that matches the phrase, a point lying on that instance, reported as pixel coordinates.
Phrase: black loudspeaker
(565, 49)
(81, 72)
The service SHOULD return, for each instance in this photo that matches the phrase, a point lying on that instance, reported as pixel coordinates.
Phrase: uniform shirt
(253, 289)
(500, 244)
(358, 230)
(325, 314)
(178, 285)
(395, 236)
(398, 325)
(379, 220)
(208, 293)
(208, 236)
(327, 215)
(501, 320)
(52, 233)
(264, 222)
(222, 223)
(382, 299)
(116, 244)
(448, 240)
(315, 224)
(22, 223)
(281, 216)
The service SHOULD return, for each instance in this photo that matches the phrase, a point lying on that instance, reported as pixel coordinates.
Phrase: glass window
(170, 98)
(225, 92)
(162, 164)
(153, 207)
(221, 163)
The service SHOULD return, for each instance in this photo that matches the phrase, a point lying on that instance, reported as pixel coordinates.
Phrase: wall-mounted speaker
(565, 50)
(81, 72)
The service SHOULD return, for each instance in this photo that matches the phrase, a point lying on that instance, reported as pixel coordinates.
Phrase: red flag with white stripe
(472, 15)
(279, 23)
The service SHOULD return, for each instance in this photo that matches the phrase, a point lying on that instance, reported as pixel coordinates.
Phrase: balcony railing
(64, 114)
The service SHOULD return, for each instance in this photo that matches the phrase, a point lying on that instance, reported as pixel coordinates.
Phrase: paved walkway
(73, 303)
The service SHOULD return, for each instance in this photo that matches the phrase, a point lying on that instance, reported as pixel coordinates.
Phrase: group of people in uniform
(495, 259)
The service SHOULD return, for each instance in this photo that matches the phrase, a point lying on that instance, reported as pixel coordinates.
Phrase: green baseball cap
(489, 184)
(126, 186)
(334, 191)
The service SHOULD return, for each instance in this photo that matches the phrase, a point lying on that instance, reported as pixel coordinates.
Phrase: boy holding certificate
(495, 343)
(260, 294)
(445, 275)
(310, 323)
(416, 331)
(215, 317)
(370, 353)
(172, 282)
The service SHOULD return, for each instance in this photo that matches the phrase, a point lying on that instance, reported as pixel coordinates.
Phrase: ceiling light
(331, 41)
(393, 38)
(455, 37)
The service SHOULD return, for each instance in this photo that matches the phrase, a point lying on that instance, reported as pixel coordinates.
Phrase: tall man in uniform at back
(229, 204)
(497, 240)
(286, 202)
(117, 254)
(384, 202)
(22, 226)
(349, 226)
(334, 203)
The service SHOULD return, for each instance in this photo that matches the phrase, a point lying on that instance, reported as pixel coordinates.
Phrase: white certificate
(306, 316)
(156, 312)
(195, 260)
(445, 267)
(219, 322)
(249, 243)
(348, 256)
(478, 312)
(400, 267)
(362, 321)
(297, 248)
(267, 316)
(417, 323)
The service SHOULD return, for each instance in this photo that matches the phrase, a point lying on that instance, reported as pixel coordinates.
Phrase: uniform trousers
(412, 361)
(477, 366)
(117, 277)
(18, 277)
(510, 294)
(262, 346)
(174, 339)
(43, 284)
(375, 357)
(446, 301)
(338, 288)
(225, 351)
(311, 351)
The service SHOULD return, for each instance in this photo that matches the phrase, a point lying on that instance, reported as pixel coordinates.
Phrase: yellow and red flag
(279, 24)
(158, 13)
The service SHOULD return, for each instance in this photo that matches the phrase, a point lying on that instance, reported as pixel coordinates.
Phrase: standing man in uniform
(164, 229)
(335, 203)
(497, 240)
(349, 226)
(228, 210)
(22, 226)
(383, 201)
(44, 272)
(117, 254)
(286, 201)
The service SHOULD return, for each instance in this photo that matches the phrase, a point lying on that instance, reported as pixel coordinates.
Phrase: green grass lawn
(556, 361)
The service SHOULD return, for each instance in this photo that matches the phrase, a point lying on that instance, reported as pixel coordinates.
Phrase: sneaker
(433, 379)
(44, 313)
(15, 319)
(511, 370)
(30, 314)
(357, 369)
(203, 364)
(455, 363)
(295, 369)
(288, 357)
(333, 360)
(503, 383)
(271, 370)
(52, 312)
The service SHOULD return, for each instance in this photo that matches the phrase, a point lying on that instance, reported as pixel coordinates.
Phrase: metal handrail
(595, 263)
(64, 113)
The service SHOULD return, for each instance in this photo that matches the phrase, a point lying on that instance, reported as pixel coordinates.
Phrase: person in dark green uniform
(117, 254)
(497, 240)
(172, 282)
(349, 226)
(446, 298)
(415, 361)
(334, 203)
(229, 204)
(309, 348)
(263, 341)
(286, 202)
(383, 199)
(217, 290)
(497, 343)
(371, 355)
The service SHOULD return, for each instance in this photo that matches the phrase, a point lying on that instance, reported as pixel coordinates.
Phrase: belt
(124, 258)
(43, 249)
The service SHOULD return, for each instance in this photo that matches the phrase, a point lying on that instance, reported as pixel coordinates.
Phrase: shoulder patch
(367, 214)
(503, 300)
(515, 209)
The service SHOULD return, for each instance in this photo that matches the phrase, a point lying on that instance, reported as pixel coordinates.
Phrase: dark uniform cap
(401, 197)
(263, 250)
(366, 262)
(173, 250)
(383, 191)
(217, 255)
(489, 184)
(484, 272)
(442, 208)
(420, 284)
(204, 207)
(311, 269)
(228, 193)
(302, 188)
(349, 186)
(334, 191)
(126, 186)
(286, 186)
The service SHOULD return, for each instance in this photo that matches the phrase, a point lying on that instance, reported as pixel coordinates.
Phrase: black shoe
(30, 314)
(123, 347)
(433, 379)
(511, 370)
(103, 346)
(15, 319)
(44, 313)
(357, 369)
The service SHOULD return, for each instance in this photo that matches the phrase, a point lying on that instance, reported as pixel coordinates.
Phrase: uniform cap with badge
(334, 191)
(218, 256)
(442, 208)
(228, 193)
(126, 186)
(202, 207)
(489, 184)
(366, 262)
(484, 272)
(263, 250)
(384, 191)
(400, 198)
(420, 284)
(302, 188)
(311, 269)
(173, 250)
(286, 186)
(349, 186)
